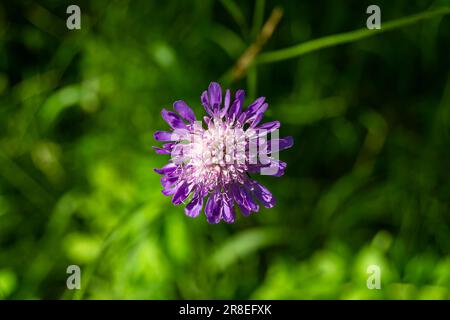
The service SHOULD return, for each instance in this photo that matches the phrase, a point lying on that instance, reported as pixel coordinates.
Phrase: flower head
(211, 164)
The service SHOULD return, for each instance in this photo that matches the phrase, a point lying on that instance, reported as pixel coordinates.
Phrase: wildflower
(211, 166)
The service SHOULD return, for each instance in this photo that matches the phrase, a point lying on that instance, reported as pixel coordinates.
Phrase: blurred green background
(367, 179)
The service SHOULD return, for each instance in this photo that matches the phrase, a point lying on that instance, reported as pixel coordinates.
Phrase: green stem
(346, 37)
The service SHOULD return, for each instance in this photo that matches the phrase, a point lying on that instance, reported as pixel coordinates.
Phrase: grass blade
(346, 37)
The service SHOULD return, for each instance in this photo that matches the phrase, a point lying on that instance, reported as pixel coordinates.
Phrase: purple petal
(194, 207)
(276, 145)
(209, 206)
(168, 168)
(212, 209)
(207, 120)
(205, 102)
(255, 106)
(240, 201)
(215, 96)
(250, 112)
(173, 119)
(235, 110)
(251, 203)
(169, 191)
(263, 194)
(244, 200)
(169, 146)
(168, 181)
(181, 194)
(165, 136)
(184, 110)
(281, 168)
(268, 127)
(240, 95)
(275, 168)
(166, 149)
(250, 117)
(236, 107)
(241, 118)
(227, 211)
(257, 120)
(226, 104)
(161, 150)
(178, 150)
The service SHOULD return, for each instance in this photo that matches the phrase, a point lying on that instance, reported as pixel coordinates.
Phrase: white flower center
(216, 156)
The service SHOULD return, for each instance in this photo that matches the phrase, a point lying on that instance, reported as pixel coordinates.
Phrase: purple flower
(210, 167)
